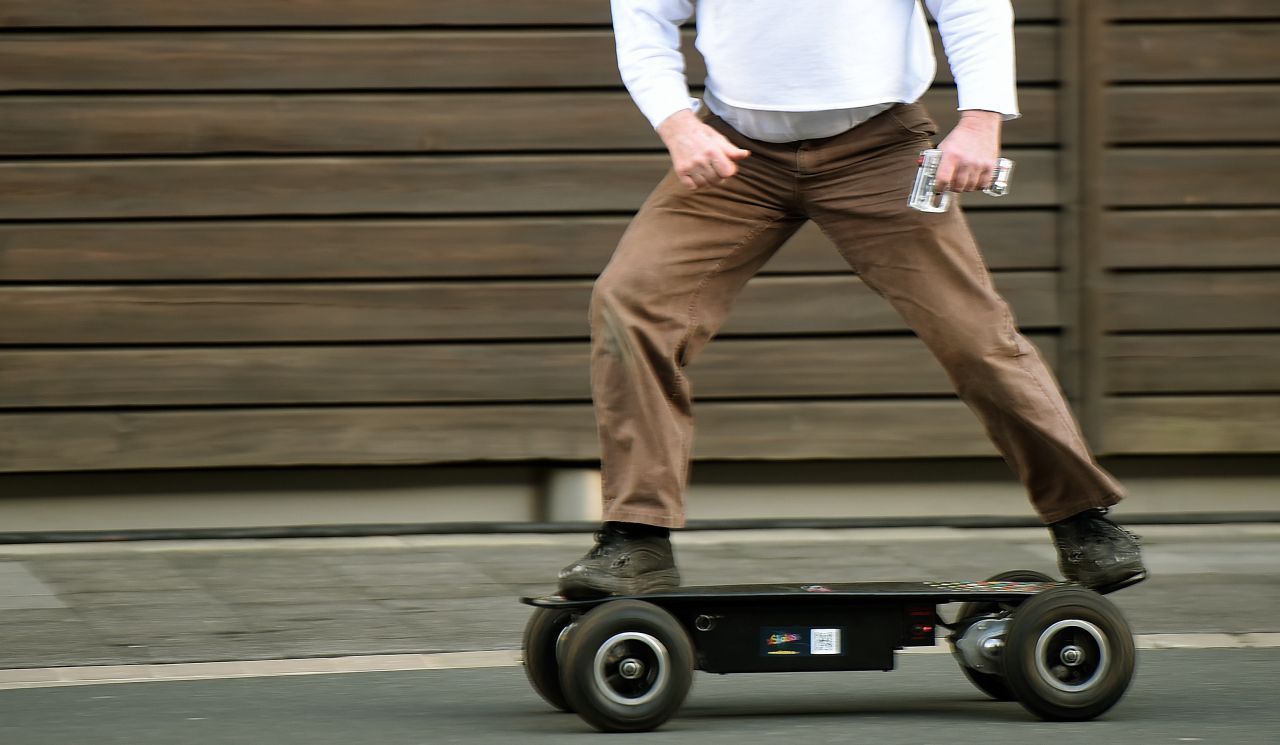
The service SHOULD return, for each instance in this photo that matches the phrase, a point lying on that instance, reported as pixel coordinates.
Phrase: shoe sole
(582, 588)
(1117, 577)
(1129, 581)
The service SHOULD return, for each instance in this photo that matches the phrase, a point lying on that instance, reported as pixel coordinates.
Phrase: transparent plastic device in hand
(926, 199)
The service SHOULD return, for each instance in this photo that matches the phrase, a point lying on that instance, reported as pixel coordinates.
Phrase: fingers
(946, 175)
(723, 165)
(696, 181)
(964, 174)
(708, 160)
(701, 177)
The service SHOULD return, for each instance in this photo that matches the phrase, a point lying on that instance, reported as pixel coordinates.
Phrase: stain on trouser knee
(609, 332)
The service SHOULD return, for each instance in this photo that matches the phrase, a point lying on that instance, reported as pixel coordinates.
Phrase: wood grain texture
(160, 13)
(1156, 177)
(377, 185)
(387, 209)
(412, 249)
(1190, 9)
(1190, 52)
(401, 311)
(420, 435)
(1151, 425)
(409, 435)
(328, 186)
(1084, 151)
(1202, 114)
(186, 124)
(1193, 363)
(452, 373)
(1193, 301)
(299, 60)
(374, 60)
(1156, 239)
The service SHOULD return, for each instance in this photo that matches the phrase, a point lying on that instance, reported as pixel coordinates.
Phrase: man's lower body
(687, 255)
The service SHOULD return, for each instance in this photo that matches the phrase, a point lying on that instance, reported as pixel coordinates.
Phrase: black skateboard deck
(924, 592)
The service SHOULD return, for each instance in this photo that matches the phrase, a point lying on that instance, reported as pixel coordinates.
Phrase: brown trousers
(686, 256)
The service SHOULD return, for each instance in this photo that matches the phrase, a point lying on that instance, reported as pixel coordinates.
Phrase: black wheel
(627, 667)
(993, 683)
(1069, 654)
(545, 628)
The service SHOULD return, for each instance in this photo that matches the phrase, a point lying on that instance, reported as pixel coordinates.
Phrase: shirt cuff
(1005, 104)
(657, 105)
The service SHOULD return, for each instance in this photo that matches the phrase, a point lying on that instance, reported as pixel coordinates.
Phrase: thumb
(738, 153)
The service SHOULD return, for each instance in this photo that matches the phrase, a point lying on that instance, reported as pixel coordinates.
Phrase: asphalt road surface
(1178, 696)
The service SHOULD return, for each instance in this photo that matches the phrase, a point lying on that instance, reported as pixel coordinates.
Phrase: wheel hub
(631, 668)
(1072, 655)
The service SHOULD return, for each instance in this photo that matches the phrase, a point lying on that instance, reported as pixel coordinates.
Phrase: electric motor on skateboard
(625, 664)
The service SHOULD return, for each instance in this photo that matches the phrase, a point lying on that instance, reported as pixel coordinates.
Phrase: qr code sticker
(824, 641)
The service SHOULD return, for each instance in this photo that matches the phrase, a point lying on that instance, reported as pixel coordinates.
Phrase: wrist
(677, 122)
(981, 118)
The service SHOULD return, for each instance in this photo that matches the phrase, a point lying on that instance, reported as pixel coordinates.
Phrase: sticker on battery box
(801, 641)
(824, 641)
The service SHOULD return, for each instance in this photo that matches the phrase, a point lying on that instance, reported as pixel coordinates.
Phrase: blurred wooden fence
(306, 232)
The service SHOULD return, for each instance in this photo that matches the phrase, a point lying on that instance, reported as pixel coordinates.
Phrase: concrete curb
(51, 677)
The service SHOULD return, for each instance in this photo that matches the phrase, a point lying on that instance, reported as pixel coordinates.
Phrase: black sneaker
(621, 563)
(1097, 553)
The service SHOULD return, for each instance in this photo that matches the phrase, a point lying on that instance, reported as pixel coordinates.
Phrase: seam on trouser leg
(1094, 500)
(691, 325)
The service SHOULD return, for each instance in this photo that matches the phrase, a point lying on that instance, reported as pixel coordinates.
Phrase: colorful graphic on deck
(994, 586)
(803, 642)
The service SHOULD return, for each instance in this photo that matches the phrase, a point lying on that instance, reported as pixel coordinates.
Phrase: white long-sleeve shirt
(815, 55)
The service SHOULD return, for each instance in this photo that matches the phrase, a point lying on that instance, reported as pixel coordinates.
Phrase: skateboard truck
(979, 647)
(926, 198)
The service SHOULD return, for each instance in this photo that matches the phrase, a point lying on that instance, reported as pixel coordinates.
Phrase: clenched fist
(701, 156)
(970, 152)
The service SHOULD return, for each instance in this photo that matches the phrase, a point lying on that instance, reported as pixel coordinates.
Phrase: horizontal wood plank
(230, 13)
(1160, 425)
(1156, 177)
(382, 60)
(412, 249)
(450, 373)
(377, 60)
(334, 185)
(380, 185)
(400, 311)
(1193, 363)
(1192, 301)
(160, 13)
(1193, 114)
(1160, 239)
(1190, 9)
(111, 124)
(420, 435)
(1219, 51)
(183, 124)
